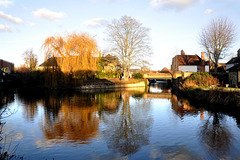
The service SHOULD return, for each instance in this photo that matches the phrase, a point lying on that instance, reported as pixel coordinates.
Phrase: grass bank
(202, 87)
(219, 96)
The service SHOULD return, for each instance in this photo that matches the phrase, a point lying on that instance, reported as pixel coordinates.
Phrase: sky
(174, 25)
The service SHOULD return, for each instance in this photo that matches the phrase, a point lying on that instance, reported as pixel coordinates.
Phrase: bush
(200, 79)
(137, 75)
(107, 75)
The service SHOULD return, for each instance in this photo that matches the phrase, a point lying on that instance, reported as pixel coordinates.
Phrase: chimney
(203, 55)
(238, 52)
(182, 52)
(202, 67)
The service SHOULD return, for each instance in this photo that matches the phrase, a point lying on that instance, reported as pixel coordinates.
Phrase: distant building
(63, 63)
(233, 69)
(234, 61)
(6, 67)
(110, 64)
(189, 63)
(50, 63)
(165, 70)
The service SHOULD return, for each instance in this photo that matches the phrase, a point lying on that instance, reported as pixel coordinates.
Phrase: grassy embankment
(48, 80)
(112, 83)
(203, 87)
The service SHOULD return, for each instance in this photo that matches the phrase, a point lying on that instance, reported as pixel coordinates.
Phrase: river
(134, 123)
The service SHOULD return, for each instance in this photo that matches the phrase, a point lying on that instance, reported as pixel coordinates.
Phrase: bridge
(165, 76)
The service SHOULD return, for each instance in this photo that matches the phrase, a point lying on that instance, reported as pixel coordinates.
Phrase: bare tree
(130, 42)
(216, 38)
(30, 59)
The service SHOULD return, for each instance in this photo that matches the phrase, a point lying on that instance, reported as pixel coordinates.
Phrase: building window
(198, 68)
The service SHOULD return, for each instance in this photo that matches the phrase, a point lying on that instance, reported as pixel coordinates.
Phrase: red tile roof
(188, 60)
(165, 70)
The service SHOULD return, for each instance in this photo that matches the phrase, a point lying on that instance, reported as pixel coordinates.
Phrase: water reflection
(6, 96)
(215, 135)
(50, 100)
(75, 118)
(135, 122)
(75, 122)
(128, 129)
(108, 101)
(182, 107)
(160, 87)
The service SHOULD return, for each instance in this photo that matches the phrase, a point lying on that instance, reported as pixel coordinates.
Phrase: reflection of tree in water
(108, 101)
(128, 129)
(76, 121)
(182, 107)
(30, 110)
(51, 101)
(6, 96)
(215, 135)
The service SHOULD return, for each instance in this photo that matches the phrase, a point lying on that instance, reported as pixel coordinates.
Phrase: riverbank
(111, 83)
(220, 96)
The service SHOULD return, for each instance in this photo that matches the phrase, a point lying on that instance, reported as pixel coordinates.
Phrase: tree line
(77, 56)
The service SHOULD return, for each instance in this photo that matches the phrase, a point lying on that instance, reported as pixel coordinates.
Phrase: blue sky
(174, 24)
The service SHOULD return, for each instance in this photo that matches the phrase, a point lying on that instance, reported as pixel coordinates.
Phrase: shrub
(107, 75)
(137, 75)
(200, 79)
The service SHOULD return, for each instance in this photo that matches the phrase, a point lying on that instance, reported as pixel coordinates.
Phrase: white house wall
(188, 68)
(206, 68)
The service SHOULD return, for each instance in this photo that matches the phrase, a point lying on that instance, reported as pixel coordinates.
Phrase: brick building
(189, 63)
(6, 66)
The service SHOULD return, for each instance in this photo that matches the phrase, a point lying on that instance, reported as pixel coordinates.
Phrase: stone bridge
(165, 76)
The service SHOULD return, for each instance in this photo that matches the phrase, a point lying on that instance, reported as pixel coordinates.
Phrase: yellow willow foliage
(74, 52)
(53, 46)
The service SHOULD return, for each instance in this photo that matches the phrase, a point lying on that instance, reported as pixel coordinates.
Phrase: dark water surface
(136, 123)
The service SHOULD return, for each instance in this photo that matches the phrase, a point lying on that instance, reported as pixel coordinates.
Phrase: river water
(136, 123)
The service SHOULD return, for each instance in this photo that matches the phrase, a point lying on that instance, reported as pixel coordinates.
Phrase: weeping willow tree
(75, 55)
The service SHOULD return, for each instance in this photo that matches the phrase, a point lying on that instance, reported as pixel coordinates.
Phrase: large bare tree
(130, 42)
(30, 59)
(216, 38)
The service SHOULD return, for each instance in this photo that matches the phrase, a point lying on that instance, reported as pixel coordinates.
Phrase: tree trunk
(215, 67)
(125, 75)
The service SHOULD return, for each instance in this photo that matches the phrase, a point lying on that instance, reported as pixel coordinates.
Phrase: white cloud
(11, 18)
(32, 24)
(48, 15)
(175, 4)
(209, 11)
(5, 28)
(6, 3)
(107, 0)
(96, 22)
